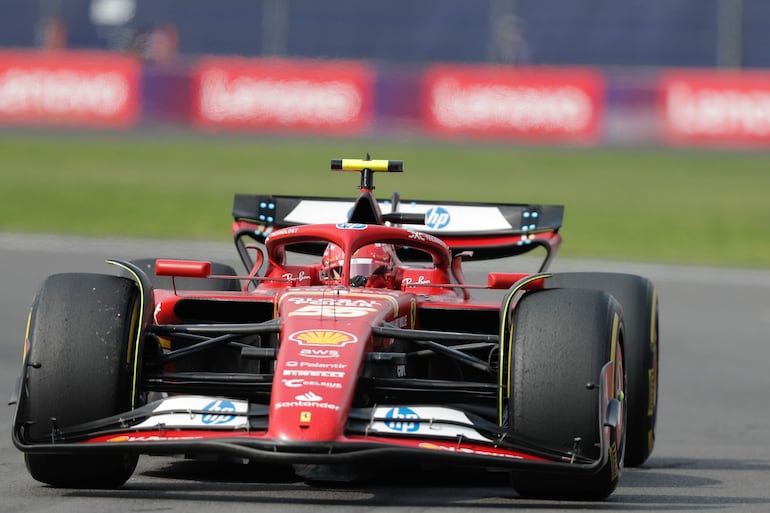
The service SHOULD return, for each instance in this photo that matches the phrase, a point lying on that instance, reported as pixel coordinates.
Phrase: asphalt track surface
(712, 452)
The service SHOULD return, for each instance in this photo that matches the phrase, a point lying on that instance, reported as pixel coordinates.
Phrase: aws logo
(323, 338)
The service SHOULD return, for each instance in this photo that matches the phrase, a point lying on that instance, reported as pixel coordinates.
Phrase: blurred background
(648, 119)
(597, 32)
(636, 56)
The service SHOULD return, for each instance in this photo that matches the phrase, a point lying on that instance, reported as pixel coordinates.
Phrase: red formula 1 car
(352, 337)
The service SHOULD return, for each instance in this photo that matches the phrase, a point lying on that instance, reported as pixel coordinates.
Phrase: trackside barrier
(541, 104)
(707, 107)
(552, 105)
(85, 89)
(283, 95)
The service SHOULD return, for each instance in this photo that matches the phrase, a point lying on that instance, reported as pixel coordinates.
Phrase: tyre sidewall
(77, 369)
(562, 340)
(639, 302)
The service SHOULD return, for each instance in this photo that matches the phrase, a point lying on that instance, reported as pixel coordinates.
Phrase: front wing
(237, 428)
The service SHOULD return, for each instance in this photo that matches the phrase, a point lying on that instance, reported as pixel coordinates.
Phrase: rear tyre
(638, 298)
(164, 282)
(81, 335)
(562, 339)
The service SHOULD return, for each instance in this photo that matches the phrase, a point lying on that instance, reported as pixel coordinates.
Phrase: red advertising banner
(545, 104)
(69, 88)
(721, 107)
(255, 94)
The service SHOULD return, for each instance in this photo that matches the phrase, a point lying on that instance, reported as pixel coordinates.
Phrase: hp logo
(218, 412)
(402, 420)
(437, 218)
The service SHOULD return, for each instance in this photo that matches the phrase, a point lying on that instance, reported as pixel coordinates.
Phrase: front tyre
(639, 300)
(561, 388)
(79, 368)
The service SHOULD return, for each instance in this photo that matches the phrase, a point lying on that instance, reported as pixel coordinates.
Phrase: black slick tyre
(639, 300)
(562, 339)
(82, 330)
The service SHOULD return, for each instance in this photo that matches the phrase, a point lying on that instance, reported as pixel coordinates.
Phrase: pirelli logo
(325, 338)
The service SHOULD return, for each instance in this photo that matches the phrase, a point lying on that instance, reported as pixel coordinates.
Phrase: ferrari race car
(351, 338)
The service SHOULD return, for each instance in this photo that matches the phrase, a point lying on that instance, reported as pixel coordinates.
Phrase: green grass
(697, 207)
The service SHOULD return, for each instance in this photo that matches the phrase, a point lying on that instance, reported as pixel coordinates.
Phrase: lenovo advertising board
(283, 95)
(715, 107)
(535, 104)
(67, 88)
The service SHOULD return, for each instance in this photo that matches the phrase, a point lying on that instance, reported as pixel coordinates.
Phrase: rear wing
(487, 230)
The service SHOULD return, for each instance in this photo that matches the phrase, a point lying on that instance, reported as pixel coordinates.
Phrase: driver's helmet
(370, 265)
(332, 262)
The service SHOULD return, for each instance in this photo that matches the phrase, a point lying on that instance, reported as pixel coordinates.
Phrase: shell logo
(323, 338)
